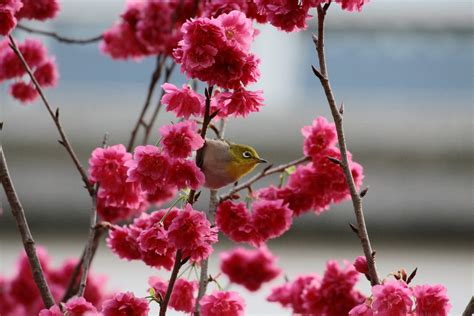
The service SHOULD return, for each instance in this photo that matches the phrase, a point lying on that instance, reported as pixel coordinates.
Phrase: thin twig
(155, 77)
(265, 172)
(60, 38)
(191, 199)
(337, 116)
(149, 126)
(55, 116)
(28, 242)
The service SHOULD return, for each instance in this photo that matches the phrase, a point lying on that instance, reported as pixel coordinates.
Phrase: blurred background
(404, 70)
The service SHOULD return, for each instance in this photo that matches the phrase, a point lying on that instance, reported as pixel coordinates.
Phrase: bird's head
(244, 159)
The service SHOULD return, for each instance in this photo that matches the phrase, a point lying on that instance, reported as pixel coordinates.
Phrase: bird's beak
(260, 160)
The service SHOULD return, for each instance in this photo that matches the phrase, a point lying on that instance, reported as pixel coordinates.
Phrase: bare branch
(155, 77)
(60, 38)
(28, 242)
(265, 172)
(469, 311)
(337, 116)
(55, 116)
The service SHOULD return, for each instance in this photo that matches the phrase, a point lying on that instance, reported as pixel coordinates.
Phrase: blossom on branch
(183, 102)
(125, 304)
(38, 9)
(221, 303)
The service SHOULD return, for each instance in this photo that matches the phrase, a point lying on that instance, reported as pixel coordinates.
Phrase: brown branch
(265, 172)
(149, 126)
(28, 242)
(73, 284)
(55, 116)
(337, 116)
(60, 38)
(155, 77)
(204, 277)
(191, 199)
(469, 310)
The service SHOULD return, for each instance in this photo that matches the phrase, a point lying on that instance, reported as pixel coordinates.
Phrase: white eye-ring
(247, 154)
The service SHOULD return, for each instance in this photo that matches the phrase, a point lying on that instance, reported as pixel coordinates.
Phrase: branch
(55, 116)
(58, 37)
(204, 277)
(191, 199)
(337, 116)
(469, 311)
(27, 238)
(149, 126)
(155, 77)
(265, 172)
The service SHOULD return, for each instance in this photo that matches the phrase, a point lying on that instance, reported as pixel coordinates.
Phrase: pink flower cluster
(394, 297)
(249, 268)
(212, 9)
(183, 297)
(13, 10)
(121, 304)
(269, 219)
(147, 28)
(185, 102)
(154, 238)
(222, 303)
(19, 295)
(43, 67)
(321, 182)
(8, 9)
(216, 50)
(128, 184)
(333, 295)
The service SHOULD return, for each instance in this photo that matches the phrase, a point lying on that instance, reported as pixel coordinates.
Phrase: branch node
(341, 108)
(412, 275)
(318, 74)
(364, 192)
(335, 160)
(56, 114)
(354, 229)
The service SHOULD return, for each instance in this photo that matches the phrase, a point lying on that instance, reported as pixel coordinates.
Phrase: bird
(224, 162)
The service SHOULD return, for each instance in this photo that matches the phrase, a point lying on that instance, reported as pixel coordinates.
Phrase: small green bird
(225, 162)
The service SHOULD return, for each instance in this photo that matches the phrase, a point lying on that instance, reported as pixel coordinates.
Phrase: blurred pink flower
(360, 264)
(431, 300)
(222, 304)
(38, 9)
(125, 304)
(391, 298)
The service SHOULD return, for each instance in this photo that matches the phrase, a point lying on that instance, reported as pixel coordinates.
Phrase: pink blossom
(120, 42)
(149, 167)
(241, 102)
(114, 214)
(288, 15)
(24, 92)
(431, 300)
(291, 294)
(11, 67)
(182, 298)
(181, 139)
(52, 311)
(38, 9)
(123, 244)
(78, 306)
(107, 166)
(125, 304)
(250, 268)
(235, 222)
(318, 137)
(7, 20)
(185, 173)
(215, 8)
(154, 239)
(391, 298)
(47, 74)
(191, 232)
(271, 218)
(352, 5)
(361, 310)
(184, 102)
(33, 51)
(360, 264)
(238, 29)
(222, 304)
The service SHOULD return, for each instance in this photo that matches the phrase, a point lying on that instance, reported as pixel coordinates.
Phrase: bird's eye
(247, 154)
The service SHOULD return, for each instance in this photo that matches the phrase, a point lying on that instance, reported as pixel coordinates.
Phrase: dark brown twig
(155, 77)
(191, 199)
(149, 125)
(469, 310)
(265, 172)
(55, 116)
(60, 38)
(28, 242)
(337, 116)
